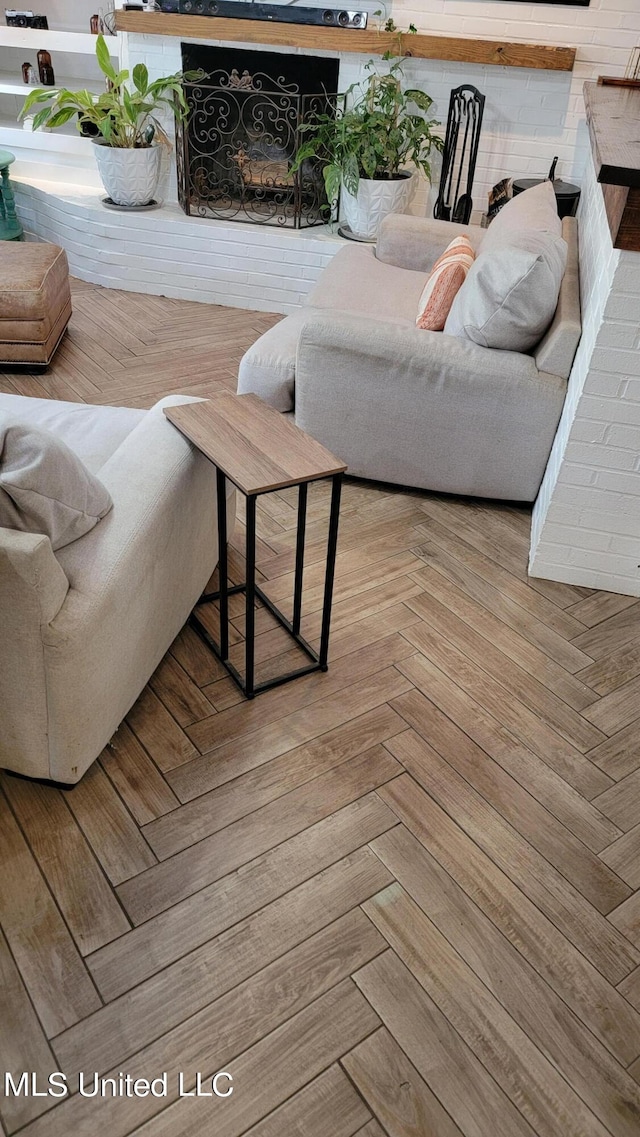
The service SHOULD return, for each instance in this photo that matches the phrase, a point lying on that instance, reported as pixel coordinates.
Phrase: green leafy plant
(377, 129)
(125, 114)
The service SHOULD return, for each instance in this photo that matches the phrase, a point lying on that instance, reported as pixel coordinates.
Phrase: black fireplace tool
(466, 108)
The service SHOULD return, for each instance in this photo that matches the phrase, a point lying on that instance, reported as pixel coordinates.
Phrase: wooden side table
(260, 451)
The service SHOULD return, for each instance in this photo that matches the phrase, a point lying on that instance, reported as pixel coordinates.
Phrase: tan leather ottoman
(35, 301)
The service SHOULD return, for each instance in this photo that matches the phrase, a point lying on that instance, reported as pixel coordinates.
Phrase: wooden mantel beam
(370, 42)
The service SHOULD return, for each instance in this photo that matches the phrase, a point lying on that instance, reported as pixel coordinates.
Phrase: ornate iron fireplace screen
(235, 150)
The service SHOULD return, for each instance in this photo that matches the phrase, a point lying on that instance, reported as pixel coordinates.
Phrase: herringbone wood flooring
(401, 898)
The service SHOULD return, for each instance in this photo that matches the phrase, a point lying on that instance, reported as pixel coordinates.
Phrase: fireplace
(235, 150)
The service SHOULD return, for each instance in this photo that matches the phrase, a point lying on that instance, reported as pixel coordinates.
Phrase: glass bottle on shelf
(45, 69)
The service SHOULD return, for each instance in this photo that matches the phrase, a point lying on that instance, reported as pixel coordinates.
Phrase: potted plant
(128, 133)
(378, 130)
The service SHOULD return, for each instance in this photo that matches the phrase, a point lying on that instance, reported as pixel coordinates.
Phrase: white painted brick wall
(168, 254)
(586, 521)
(530, 115)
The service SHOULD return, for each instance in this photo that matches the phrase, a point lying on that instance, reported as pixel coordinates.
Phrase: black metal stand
(248, 686)
(466, 104)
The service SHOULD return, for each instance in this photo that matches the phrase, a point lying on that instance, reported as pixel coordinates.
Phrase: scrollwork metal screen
(234, 152)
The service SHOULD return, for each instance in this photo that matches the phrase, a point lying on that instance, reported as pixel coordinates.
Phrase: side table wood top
(257, 448)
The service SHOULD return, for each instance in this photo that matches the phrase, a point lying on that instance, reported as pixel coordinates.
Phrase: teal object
(10, 227)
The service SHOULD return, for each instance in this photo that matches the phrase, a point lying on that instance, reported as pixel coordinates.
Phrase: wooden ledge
(613, 114)
(370, 42)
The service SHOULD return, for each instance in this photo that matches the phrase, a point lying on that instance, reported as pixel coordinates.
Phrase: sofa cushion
(445, 279)
(356, 281)
(45, 488)
(535, 209)
(92, 432)
(511, 293)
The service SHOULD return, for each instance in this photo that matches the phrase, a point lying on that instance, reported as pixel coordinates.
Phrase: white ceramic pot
(130, 177)
(374, 201)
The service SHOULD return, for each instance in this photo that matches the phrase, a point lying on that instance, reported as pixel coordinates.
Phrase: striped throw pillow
(446, 277)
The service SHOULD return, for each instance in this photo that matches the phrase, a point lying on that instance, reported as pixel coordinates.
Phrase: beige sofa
(414, 407)
(84, 628)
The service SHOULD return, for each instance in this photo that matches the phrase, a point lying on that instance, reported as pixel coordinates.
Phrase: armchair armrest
(33, 590)
(417, 242)
(419, 408)
(162, 489)
(364, 347)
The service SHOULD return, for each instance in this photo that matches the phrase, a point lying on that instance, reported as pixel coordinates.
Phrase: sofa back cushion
(45, 488)
(535, 209)
(511, 293)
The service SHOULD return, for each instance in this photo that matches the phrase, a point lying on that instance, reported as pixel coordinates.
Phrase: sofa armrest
(417, 242)
(33, 589)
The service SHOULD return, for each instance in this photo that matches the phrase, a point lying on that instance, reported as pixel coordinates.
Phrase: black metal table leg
(252, 591)
(302, 523)
(332, 545)
(250, 596)
(223, 565)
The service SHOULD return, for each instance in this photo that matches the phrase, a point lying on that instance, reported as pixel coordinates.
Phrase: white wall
(65, 15)
(586, 522)
(530, 115)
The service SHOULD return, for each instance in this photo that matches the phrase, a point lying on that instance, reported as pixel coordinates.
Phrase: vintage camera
(19, 19)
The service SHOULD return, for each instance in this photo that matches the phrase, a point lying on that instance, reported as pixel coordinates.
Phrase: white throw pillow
(45, 488)
(511, 292)
(536, 208)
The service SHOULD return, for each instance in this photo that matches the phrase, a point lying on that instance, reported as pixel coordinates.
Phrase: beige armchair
(408, 406)
(84, 628)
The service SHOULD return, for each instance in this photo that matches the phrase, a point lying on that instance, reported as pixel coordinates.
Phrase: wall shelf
(76, 43)
(10, 84)
(58, 141)
(315, 37)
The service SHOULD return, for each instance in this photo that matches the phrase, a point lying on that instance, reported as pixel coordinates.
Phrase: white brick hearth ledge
(164, 252)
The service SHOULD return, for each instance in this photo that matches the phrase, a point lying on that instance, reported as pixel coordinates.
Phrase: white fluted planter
(374, 201)
(130, 177)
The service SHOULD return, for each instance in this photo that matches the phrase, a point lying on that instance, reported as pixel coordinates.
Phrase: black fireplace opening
(246, 110)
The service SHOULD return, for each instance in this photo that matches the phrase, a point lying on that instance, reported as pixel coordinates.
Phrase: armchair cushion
(92, 432)
(511, 293)
(535, 209)
(417, 242)
(357, 281)
(45, 488)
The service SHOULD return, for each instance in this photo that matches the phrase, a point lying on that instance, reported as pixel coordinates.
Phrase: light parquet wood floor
(401, 899)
